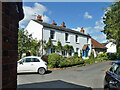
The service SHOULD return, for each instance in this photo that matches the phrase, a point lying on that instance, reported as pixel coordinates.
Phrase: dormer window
(52, 34)
(66, 36)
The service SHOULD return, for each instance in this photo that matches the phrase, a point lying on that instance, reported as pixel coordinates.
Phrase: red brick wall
(0, 45)
(10, 21)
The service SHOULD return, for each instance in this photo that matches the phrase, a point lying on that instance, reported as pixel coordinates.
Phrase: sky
(75, 15)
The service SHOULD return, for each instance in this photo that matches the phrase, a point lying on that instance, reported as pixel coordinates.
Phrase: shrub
(91, 56)
(75, 55)
(111, 56)
(54, 59)
(45, 58)
(102, 55)
(67, 62)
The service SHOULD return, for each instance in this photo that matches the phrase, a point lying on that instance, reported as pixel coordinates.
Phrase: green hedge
(66, 62)
(54, 60)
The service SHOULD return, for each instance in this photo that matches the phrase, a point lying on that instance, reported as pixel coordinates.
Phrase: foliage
(112, 25)
(80, 53)
(91, 56)
(59, 47)
(45, 58)
(35, 48)
(48, 45)
(67, 62)
(68, 48)
(103, 56)
(24, 44)
(111, 56)
(75, 55)
(54, 59)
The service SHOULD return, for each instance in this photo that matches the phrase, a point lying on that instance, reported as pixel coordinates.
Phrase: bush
(67, 62)
(103, 56)
(111, 56)
(45, 58)
(91, 56)
(75, 55)
(54, 60)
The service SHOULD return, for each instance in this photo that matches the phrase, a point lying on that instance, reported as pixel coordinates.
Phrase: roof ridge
(59, 27)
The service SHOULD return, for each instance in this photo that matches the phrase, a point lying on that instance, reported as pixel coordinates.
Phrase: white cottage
(42, 31)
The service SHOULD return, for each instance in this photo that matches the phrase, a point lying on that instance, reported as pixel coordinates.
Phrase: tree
(112, 24)
(48, 45)
(35, 48)
(68, 48)
(59, 47)
(24, 44)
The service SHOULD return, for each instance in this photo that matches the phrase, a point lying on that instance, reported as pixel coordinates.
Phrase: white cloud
(86, 29)
(86, 15)
(32, 12)
(77, 29)
(100, 37)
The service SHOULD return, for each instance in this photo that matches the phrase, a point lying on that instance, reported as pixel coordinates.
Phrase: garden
(57, 61)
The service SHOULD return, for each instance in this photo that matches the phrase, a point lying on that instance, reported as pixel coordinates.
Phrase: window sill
(77, 43)
(53, 40)
(67, 42)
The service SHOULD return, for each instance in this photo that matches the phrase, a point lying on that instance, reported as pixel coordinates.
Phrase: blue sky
(74, 14)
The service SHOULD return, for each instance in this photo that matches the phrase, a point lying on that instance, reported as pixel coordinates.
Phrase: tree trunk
(118, 49)
(117, 46)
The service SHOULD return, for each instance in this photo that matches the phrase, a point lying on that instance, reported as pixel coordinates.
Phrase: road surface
(91, 76)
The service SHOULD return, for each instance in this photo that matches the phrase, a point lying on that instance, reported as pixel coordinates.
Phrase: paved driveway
(86, 76)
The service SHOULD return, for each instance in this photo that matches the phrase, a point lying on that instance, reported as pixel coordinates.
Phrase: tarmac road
(91, 76)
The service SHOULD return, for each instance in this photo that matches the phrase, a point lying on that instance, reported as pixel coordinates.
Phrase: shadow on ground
(57, 84)
(47, 72)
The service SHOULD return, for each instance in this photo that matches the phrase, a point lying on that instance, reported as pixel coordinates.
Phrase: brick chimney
(39, 18)
(54, 23)
(82, 30)
(63, 25)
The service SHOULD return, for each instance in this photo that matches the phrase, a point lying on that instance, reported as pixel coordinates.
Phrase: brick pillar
(10, 20)
(0, 45)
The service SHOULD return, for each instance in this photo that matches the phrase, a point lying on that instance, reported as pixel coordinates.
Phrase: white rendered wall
(35, 29)
(60, 36)
(111, 47)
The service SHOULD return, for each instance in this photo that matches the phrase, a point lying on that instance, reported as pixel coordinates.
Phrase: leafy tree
(48, 45)
(59, 47)
(35, 48)
(112, 24)
(24, 44)
(68, 48)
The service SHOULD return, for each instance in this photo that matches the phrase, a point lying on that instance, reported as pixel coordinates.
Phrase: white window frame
(54, 37)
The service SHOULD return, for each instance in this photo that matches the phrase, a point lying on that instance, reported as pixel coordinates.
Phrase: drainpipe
(42, 41)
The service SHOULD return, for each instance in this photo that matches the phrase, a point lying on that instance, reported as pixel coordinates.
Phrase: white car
(32, 64)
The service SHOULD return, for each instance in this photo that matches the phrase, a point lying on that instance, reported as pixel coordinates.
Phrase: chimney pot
(63, 25)
(39, 18)
(82, 30)
(54, 23)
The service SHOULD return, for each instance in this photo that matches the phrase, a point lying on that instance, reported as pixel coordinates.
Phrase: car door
(35, 64)
(25, 65)
(114, 81)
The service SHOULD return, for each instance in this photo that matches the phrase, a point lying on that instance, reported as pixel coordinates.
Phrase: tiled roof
(85, 47)
(96, 44)
(61, 28)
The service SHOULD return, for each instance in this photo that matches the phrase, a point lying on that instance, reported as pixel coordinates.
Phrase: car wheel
(41, 71)
(106, 88)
